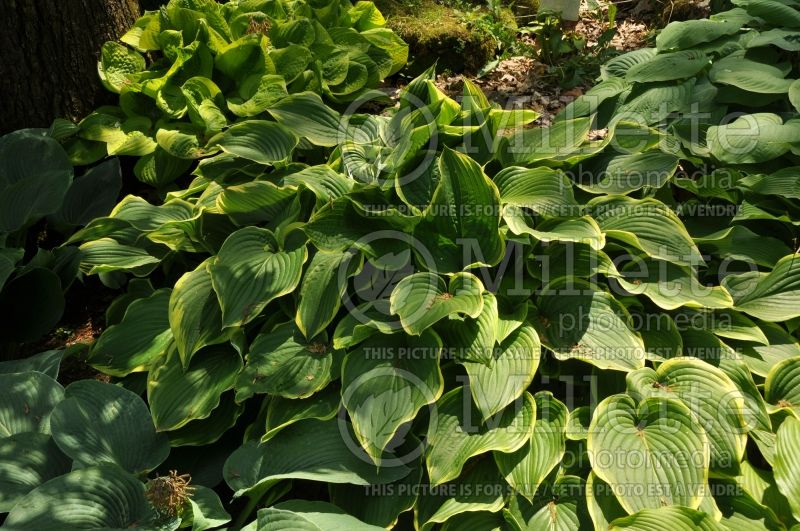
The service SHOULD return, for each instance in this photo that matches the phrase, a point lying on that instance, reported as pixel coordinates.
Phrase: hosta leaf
(749, 75)
(182, 145)
(653, 102)
(324, 284)
(751, 138)
(27, 402)
(258, 140)
(474, 339)
(210, 429)
(784, 182)
(307, 516)
(384, 386)
(93, 194)
(782, 387)
(646, 224)
(35, 175)
(310, 449)
(106, 255)
(578, 321)
(627, 173)
(422, 299)
(142, 336)
(773, 12)
(787, 462)
(580, 230)
(117, 66)
(670, 286)
(177, 396)
(464, 210)
(710, 394)
(560, 507)
(283, 412)
(681, 35)
(282, 362)
(195, 316)
(544, 190)
(671, 452)
(326, 183)
(250, 271)
(28, 460)
(207, 509)
(737, 242)
(306, 116)
(526, 468)
(456, 433)
(478, 489)
(560, 140)
(47, 362)
(601, 503)
(673, 518)
(100, 497)
(103, 423)
(668, 66)
(271, 88)
(774, 296)
(762, 358)
(508, 373)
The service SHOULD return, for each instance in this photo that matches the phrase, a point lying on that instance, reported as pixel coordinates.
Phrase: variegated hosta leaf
(560, 507)
(508, 374)
(652, 454)
(473, 339)
(544, 190)
(456, 432)
(782, 388)
(323, 285)
(310, 449)
(526, 468)
(774, 296)
(283, 412)
(258, 140)
(787, 462)
(308, 516)
(673, 518)
(422, 299)
(250, 270)
(710, 394)
(576, 320)
(282, 362)
(386, 381)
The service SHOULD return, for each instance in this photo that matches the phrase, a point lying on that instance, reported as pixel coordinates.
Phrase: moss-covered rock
(436, 32)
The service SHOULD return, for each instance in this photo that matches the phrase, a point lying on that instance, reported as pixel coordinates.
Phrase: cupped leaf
(787, 462)
(259, 140)
(103, 423)
(324, 283)
(28, 460)
(774, 296)
(674, 518)
(782, 387)
(652, 454)
(710, 394)
(307, 116)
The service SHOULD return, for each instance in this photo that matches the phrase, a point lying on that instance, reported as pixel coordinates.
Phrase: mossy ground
(436, 32)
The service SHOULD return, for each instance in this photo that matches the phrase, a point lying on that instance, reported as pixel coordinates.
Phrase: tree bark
(48, 57)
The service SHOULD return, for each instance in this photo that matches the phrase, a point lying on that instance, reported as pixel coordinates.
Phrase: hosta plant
(448, 318)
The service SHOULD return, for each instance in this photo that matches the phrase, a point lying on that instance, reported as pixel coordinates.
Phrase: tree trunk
(48, 57)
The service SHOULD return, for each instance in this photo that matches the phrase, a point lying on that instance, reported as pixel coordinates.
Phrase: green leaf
(559, 508)
(456, 433)
(560, 140)
(305, 115)
(578, 321)
(27, 401)
(749, 75)
(601, 503)
(106, 255)
(507, 374)
(283, 412)
(673, 518)
(782, 387)
(527, 468)
(627, 173)
(250, 271)
(35, 175)
(47, 362)
(648, 225)
(669, 447)
(422, 299)
(177, 396)
(100, 497)
(464, 210)
(712, 397)
(118, 66)
(751, 138)
(474, 340)
(385, 382)
(787, 464)
(27, 460)
(93, 194)
(681, 35)
(103, 423)
(774, 296)
(207, 509)
(307, 516)
(311, 450)
(544, 190)
(140, 338)
(282, 362)
(324, 285)
(258, 140)
(195, 316)
(668, 66)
